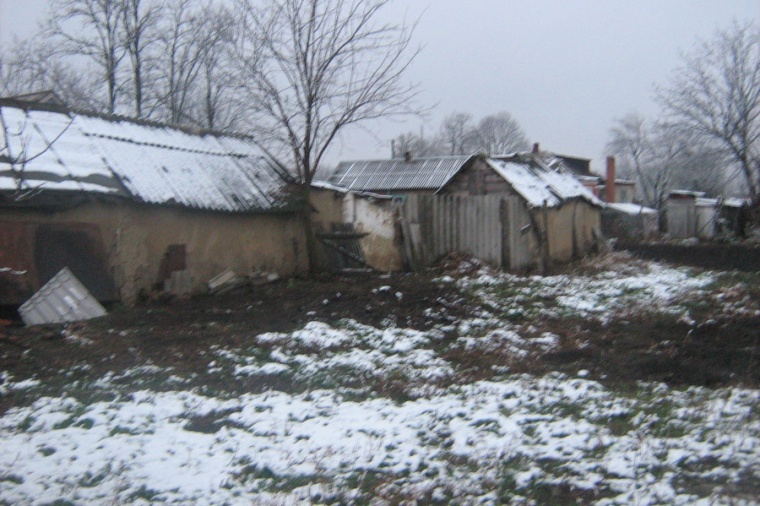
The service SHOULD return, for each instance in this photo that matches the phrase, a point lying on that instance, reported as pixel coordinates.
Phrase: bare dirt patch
(179, 333)
(718, 350)
(712, 256)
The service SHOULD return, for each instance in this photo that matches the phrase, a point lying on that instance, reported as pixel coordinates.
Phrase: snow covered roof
(325, 185)
(541, 182)
(736, 202)
(141, 161)
(398, 174)
(705, 202)
(538, 180)
(685, 194)
(631, 208)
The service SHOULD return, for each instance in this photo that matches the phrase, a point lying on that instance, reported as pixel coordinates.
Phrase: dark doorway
(79, 249)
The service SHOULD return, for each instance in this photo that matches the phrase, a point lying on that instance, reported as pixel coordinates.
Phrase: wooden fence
(492, 228)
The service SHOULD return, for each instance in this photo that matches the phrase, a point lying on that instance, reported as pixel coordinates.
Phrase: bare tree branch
(500, 134)
(662, 157)
(715, 95)
(93, 28)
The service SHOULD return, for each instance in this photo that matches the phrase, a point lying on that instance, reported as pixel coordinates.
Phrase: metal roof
(62, 299)
(142, 161)
(539, 180)
(398, 174)
(542, 181)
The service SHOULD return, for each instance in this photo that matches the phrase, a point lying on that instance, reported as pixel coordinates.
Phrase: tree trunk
(312, 247)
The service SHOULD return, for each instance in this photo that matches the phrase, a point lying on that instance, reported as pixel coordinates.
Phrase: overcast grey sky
(564, 69)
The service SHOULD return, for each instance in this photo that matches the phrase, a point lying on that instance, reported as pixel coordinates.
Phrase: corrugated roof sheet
(539, 180)
(539, 184)
(398, 174)
(145, 162)
(62, 299)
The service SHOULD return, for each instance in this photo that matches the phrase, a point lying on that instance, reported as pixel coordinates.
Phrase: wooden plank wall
(480, 226)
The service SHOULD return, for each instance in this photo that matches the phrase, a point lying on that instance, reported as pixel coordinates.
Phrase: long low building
(131, 207)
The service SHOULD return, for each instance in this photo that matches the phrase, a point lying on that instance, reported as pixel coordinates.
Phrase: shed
(132, 206)
(357, 223)
(681, 212)
(514, 211)
(707, 217)
(629, 222)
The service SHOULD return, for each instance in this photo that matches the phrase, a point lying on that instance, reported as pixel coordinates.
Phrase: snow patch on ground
(344, 433)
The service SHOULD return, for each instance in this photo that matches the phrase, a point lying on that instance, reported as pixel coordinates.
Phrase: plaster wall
(136, 240)
(571, 229)
(376, 218)
(328, 206)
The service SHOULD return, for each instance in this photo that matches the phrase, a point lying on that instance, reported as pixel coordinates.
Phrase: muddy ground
(179, 333)
(710, 256)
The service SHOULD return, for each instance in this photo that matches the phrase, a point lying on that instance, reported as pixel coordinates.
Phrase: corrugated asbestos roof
(539, 181)
(149, 163)
(62, 299)
(398, 174)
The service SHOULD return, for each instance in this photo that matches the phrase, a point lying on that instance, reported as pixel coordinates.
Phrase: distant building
(550, 216)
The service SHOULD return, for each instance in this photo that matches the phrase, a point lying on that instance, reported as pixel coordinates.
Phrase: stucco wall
(137, 238)
(328, 206)
(571, 229)
(376, 218)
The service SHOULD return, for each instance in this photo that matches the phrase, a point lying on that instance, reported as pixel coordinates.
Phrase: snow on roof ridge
(538, 182)
(166, 146)
(403, 160)
(19, 103)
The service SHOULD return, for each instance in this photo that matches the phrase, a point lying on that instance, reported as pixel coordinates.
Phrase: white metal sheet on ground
(63, 299)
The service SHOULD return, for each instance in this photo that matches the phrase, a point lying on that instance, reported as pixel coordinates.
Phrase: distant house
(690, 214)
(629, 222)
(134, 206)
(515, 211)
(609, 188)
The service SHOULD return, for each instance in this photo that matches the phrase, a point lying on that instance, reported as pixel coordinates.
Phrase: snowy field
(385, 416)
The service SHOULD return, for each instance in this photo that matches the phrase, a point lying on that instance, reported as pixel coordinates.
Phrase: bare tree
(319, 66)
(716, 95)
(30, 65)
(219, 105)
(458, 134)
(94, 29)
(662, 157)
(417, 145)
(500, 134)
(185, 43)
(140, 22)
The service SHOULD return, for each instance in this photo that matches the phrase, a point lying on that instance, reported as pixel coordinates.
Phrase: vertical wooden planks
(480, 226)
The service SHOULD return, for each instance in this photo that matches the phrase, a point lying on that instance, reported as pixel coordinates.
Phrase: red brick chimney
(610, 183)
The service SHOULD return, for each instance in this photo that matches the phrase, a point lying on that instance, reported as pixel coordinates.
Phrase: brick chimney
(610, 183)
(408, 156)
(536, 148)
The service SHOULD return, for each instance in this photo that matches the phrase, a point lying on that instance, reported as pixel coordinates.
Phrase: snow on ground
(600, 296)
(344, 433)
(467, 443)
